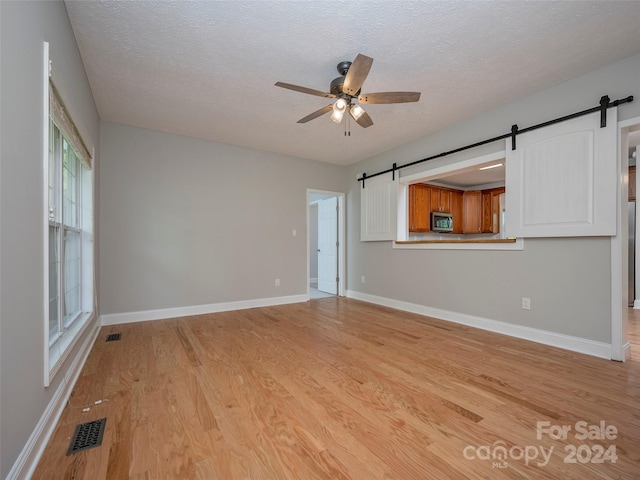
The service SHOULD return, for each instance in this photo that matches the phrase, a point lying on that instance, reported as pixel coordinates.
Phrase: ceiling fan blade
(300, 89)
(357, 74)
(389, 97)
(364, 120)
(316, 114)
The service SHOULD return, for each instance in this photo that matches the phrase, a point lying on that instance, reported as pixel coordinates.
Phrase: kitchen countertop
(475, 240)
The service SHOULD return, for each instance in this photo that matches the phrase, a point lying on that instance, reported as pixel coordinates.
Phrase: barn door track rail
(605, 103)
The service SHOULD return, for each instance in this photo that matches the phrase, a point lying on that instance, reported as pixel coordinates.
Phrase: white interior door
(328, 245)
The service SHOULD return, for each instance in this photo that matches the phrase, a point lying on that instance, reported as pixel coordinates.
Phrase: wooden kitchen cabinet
(440, 200)
(472, 211)
(456, 211)
(419, 207)
(491, 210)
(487, 222)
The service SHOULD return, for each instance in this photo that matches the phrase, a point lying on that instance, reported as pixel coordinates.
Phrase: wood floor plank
(341, 389)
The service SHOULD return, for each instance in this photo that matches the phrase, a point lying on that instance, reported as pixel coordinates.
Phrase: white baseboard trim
(147, 315)
(28, 459)
(567, 342)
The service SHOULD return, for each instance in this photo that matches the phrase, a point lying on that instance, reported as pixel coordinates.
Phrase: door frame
(342, 244)
(620, 346)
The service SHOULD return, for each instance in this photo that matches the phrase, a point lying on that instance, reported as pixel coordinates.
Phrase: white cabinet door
(562, 180)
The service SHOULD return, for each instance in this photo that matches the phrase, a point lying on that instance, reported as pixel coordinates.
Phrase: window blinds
(63, 120)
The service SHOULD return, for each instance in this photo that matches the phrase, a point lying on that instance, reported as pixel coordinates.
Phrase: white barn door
(379, 208)
(562, 180)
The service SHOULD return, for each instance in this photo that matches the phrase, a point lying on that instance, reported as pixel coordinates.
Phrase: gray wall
(24, 26)
(568, 280)
(186, 222)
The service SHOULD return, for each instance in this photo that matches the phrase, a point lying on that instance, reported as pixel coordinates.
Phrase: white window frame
(56, 351)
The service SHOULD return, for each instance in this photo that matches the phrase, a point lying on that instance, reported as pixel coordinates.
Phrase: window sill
(462, 244)
(61, 348)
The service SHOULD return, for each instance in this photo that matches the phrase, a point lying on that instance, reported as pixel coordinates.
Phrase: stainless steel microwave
(441, 222)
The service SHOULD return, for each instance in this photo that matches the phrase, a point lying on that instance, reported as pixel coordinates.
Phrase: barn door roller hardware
(605, 103)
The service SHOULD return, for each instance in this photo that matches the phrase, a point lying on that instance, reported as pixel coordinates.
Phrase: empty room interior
(319, 240)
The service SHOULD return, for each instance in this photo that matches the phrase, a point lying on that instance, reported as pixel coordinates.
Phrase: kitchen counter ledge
(476, 240)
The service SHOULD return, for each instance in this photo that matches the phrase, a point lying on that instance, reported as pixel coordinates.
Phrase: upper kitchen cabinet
(440, 200)
(491, 210)
(419, 207)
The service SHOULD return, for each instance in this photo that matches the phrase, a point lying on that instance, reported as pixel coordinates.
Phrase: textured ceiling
(207, 69)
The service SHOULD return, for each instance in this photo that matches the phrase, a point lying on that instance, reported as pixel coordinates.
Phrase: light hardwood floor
(341, 389)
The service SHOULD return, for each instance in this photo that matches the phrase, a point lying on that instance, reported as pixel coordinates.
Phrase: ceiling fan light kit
(356, 111)
(338, 110)
(346, 89)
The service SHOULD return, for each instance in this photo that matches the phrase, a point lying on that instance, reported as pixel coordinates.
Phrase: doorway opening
(633, 148)
(325, 244)
(625, 250)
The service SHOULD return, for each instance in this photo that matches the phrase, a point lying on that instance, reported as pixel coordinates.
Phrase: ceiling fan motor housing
(343, 67)
(336, 85)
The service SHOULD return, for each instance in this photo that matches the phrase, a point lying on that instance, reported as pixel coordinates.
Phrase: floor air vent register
(87, 435)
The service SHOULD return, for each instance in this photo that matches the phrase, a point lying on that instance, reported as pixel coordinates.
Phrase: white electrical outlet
(277, 282)
(526, 303)
(294, 233)
(362, 279)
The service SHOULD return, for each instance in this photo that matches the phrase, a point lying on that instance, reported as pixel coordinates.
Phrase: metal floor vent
(87, 435)
(113, 337)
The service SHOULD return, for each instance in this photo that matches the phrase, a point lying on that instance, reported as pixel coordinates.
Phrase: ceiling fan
(346, 90)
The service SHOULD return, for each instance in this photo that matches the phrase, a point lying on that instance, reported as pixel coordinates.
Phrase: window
(468, 202)
(470, 191)
(70, 292)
